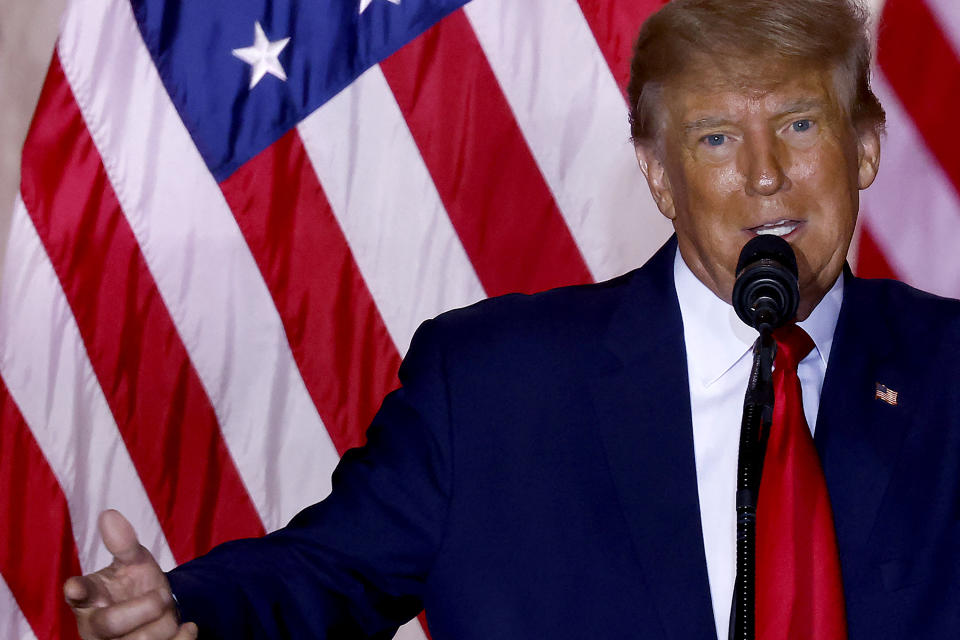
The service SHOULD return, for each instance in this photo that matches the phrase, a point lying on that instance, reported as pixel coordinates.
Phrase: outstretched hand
(130, 595)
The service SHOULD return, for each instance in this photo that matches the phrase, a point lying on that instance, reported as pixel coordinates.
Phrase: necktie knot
(793, 345)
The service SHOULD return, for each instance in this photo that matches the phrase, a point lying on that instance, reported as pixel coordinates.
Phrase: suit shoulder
(915, 317)
(899, 300)
(563, 309)
(566, 320)
(529, 345)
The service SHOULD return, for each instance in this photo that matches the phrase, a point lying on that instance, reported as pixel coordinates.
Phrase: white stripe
(388, 207)
(912, 210)
(45, 366)
(13, 624)
(200, 262)
(874, 6)
(574, 119)
(947, 13)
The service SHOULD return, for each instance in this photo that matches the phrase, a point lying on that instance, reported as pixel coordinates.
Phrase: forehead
(710, 90)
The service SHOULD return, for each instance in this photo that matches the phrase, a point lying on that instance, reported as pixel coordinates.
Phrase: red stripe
(339, 341)
(923, 70)
(871, 261)
(489, 182)
(38, 551)
(154, 393)
(615, 24)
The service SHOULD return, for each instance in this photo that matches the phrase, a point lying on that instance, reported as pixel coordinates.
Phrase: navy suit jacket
(534, 478)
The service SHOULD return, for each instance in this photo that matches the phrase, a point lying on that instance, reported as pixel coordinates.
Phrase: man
(563, 465)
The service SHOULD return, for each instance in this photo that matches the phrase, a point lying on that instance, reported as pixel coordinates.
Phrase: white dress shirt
(719, 356)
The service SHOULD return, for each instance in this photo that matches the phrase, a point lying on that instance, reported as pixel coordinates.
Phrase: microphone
(765, 296)
(765, 293)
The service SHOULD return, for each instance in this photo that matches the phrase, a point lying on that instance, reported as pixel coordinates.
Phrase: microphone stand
(754, 431)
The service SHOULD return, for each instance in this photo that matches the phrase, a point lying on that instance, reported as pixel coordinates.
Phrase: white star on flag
(262, 56)
(366, 3)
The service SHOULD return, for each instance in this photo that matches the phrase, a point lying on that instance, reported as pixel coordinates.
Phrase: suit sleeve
(355, 564)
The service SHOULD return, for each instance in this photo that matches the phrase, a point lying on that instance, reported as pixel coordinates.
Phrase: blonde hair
(828, 34)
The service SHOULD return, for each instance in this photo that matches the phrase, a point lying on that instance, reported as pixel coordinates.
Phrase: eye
(801, 126)
(715, 139)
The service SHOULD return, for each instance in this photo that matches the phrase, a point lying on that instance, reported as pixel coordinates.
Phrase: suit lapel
(859, 436)
(643, 408)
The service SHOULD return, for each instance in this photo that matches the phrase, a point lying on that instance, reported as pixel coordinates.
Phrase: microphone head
(766, 294)
(767, 247)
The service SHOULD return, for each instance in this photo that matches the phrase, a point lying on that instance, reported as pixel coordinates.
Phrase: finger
(120, 538)
(164, 628)
(130, 615)
(187, 631)
(83, 591)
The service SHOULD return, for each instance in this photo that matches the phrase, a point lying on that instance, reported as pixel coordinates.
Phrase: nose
(763, 166)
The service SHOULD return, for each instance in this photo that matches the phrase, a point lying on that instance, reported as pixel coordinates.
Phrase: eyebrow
(798, 106)
(704, 123)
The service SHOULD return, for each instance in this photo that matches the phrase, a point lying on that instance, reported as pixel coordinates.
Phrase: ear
(656, 175)
(868, 155)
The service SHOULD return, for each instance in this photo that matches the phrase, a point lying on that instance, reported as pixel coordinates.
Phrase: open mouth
(778, 228)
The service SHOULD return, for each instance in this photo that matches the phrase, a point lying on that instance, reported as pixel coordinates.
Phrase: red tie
(799, 590)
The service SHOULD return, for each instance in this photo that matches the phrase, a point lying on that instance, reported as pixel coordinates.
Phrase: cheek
(832, 164)
(715, 213)
(714, 191)
(806, 170)
(833, 216)
(829, 188)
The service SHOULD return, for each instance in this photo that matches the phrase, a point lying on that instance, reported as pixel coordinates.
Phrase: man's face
(781, 157)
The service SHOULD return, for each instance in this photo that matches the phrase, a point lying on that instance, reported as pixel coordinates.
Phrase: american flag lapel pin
(886, 394)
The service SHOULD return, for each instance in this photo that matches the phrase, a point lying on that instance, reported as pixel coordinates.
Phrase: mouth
(779, 228)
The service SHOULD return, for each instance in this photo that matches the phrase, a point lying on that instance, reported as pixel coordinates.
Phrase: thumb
(120, 538)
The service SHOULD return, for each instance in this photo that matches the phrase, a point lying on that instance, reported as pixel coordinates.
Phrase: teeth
(781, 228)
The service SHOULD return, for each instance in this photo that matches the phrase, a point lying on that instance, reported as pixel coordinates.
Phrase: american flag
(233, 215)
(887, 395)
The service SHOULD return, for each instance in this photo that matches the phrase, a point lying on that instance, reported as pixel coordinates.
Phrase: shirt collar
(716, 339)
